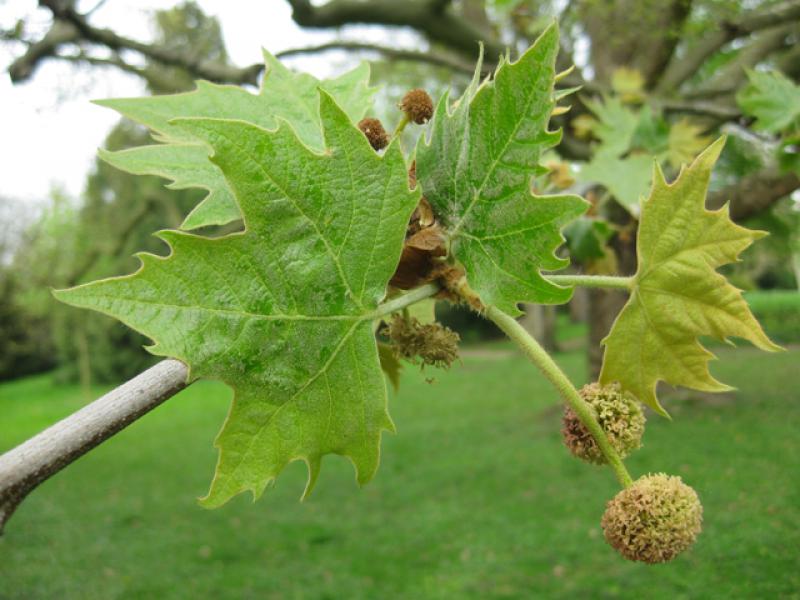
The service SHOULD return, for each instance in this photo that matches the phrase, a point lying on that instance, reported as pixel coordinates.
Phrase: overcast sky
(50, 130)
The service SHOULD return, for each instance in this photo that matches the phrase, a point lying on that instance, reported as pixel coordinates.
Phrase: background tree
(71, 244)
(657, 80)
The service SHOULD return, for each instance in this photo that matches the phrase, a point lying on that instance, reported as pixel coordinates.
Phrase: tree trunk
(540, 321)
(579, 305)
(604, 305)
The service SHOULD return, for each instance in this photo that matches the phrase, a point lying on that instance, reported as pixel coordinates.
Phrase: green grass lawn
(475, 498)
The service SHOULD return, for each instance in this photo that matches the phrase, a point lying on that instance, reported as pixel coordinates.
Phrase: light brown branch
(42, 456)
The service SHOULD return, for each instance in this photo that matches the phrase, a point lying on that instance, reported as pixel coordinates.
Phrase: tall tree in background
(72, 244)
(657, 79)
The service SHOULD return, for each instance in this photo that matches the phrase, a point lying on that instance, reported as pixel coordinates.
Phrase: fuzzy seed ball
(375, 133)
(617, 412)
(417, 104)
(653, 520)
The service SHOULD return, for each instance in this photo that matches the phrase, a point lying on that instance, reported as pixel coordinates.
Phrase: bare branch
(433, 18)
(682, 67)
(390, 53)
(60, 33)
(728, 79)
(755, 192)
(41, 457)
(69, 27)
(705, 108)
(212, 71)
(789, 62)
(152, 76)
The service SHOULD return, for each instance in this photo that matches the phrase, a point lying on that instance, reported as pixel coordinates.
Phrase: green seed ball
(617, 412)
(653, 520)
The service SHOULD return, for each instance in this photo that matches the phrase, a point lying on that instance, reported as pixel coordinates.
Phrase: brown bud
(425, 242)
(376, 134)
(417, 104)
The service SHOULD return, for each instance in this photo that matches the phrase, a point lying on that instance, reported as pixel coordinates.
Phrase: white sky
(49, 130)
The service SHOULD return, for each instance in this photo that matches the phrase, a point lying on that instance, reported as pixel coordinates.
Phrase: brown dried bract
(425, 243)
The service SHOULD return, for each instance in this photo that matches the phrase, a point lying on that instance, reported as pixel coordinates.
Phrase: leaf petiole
(400, 302)
(400, 126)
(593, 281)
(539, 356)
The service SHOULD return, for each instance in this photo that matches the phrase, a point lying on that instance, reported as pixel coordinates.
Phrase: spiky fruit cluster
(432, 343)
(653, 520)
(375, 133)
(617, 412)
(417, 105)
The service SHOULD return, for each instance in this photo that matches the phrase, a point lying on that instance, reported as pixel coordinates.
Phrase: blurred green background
(476, 497)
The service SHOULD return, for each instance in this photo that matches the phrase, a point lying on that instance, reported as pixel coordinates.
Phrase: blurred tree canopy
(658, 80)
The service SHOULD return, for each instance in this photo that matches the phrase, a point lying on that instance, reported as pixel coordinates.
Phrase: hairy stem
(400, 126)
(539, 356)
(407, 299)
(593, 281)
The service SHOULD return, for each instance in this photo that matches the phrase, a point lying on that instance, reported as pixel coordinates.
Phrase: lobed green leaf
(677, 295)
(282, 312)
(284, 94)
(773, 99)
(476, 168)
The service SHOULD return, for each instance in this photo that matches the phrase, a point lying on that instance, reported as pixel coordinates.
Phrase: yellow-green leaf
(628, 84)
(685, 141)
(677, 295)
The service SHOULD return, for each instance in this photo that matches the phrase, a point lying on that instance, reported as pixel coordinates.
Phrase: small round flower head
(617, 412)
(417, 104)
(431, 343)
(653, 520)
(375, 133)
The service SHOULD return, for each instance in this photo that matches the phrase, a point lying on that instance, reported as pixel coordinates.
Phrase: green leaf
(587, 237)
(677, 295)
(628, 84)
(615, 126)
(625, 178)
(476, 170)
(390, 364)
(685, 142)
(773, 99)
(652, 133)
(188, 167)
(285, 95)
(284, 311)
